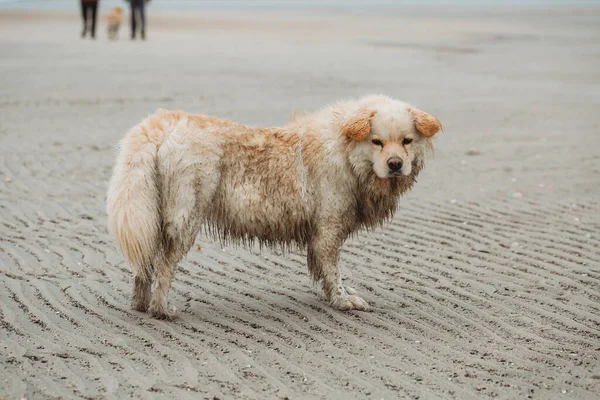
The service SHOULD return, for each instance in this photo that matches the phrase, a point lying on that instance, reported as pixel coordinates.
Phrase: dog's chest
(376, 204)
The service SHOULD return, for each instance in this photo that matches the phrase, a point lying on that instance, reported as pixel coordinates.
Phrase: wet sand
(486, 284)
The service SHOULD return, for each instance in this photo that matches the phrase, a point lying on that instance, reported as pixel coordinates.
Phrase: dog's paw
(161, 312)
(349, 302)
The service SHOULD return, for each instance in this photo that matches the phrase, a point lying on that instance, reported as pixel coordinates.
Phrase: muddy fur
(310, 184)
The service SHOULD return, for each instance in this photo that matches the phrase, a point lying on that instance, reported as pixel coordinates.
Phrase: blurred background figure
(138, 15)
(114, 22)
(88, 12)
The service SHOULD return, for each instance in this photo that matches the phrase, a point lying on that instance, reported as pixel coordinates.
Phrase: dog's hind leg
(165, 264)
(185, 199)
(141, 292)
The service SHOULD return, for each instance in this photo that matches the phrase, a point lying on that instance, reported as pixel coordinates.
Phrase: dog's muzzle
(395, 165)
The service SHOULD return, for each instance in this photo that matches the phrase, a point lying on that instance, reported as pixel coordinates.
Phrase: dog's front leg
(323, 255)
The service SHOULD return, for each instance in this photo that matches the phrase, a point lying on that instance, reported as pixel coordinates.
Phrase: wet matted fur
(311, 184)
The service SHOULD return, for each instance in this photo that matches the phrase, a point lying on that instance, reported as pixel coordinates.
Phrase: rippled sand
(486, 284)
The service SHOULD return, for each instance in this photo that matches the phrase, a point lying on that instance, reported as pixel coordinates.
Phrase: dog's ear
(426, 124)
(358, 126)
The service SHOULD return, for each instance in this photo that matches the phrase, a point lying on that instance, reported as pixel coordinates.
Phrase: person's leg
(133, 7)
(84, 16)
(94, 7)
(143, 18)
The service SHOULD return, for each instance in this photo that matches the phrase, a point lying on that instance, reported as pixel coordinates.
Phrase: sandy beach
(485, 285)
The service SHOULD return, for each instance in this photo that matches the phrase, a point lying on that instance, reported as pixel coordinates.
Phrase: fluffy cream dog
(311, 183)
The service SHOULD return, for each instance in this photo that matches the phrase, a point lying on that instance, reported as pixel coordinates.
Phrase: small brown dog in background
(114, 22)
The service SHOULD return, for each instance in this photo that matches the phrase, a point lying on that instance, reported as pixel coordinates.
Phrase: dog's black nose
(394, 164)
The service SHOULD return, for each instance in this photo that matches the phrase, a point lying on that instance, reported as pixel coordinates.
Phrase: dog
(310, 184)
(114, 18)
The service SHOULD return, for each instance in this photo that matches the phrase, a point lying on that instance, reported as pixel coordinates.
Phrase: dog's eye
(377, 142)
(407, 141)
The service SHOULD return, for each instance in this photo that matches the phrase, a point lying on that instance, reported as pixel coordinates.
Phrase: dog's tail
(133, 200)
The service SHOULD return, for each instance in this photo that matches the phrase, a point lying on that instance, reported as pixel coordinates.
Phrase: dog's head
(387, 136)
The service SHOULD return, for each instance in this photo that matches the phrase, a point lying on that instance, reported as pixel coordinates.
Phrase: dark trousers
(86, 9)
(137, 9)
